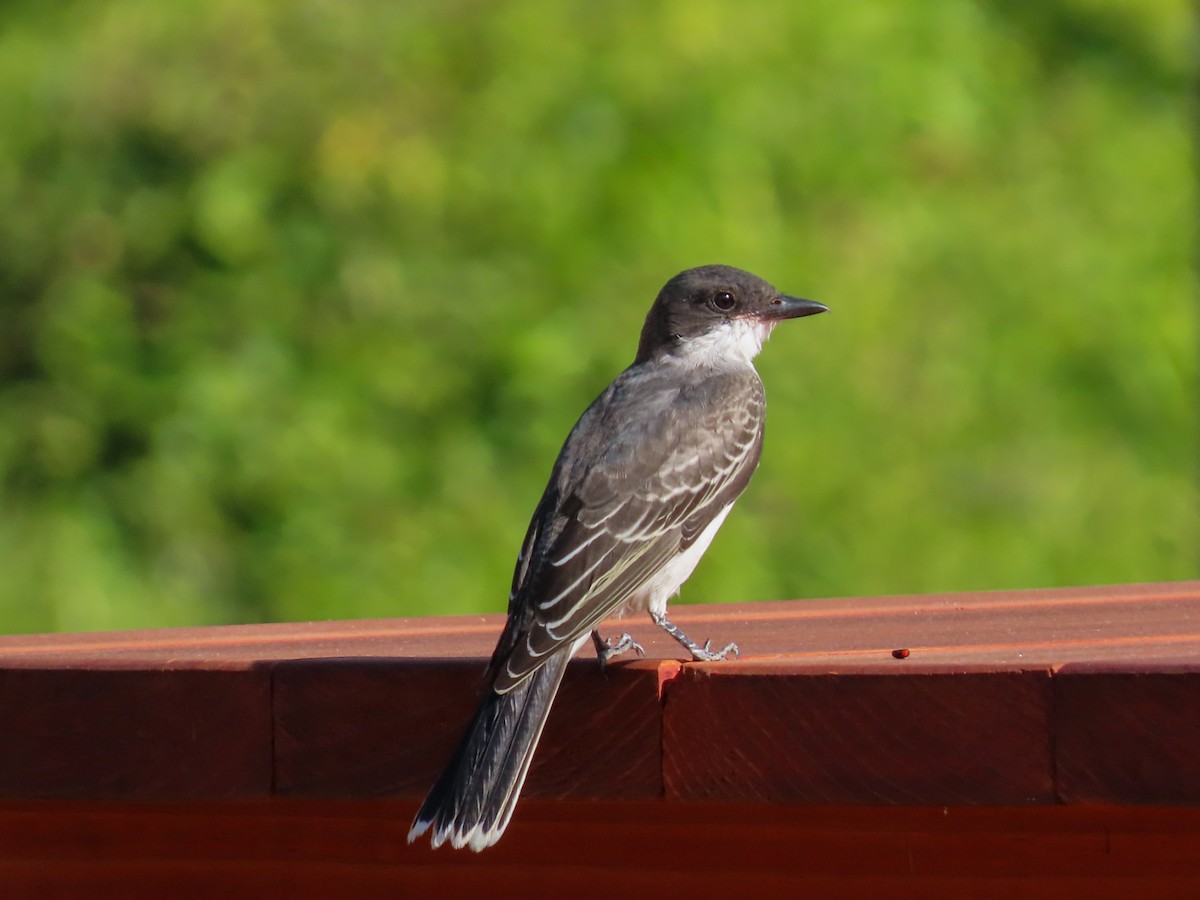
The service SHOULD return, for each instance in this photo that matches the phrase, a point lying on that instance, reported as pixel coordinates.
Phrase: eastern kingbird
(645, 479)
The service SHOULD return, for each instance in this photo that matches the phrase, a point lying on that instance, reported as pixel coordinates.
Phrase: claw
(708, 654)
(606, 648)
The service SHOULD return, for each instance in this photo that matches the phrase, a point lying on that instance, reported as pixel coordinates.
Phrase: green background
(299, 299)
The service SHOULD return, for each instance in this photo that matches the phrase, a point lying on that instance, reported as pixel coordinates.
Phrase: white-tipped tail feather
(473, 800)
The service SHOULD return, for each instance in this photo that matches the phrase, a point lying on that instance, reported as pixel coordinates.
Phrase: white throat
(733, 344)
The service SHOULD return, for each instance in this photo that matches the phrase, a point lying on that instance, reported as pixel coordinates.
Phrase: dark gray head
(722, 312)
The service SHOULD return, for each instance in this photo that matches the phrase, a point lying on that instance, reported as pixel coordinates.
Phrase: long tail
(472, 801)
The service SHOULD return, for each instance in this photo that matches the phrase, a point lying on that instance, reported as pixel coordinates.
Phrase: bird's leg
(606, 648)
(705, 653)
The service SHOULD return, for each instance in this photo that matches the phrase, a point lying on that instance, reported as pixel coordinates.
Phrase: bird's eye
(723, 300)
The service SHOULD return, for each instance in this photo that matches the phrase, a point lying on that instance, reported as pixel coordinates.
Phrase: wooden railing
(1053, 737)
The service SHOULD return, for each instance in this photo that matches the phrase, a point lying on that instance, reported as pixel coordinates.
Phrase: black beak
(785, 307)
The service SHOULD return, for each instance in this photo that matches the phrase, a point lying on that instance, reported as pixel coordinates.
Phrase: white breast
(666, 583)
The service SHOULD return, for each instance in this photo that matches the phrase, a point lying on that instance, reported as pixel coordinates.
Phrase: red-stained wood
(1135, 623)
(903, 738)
(817, 709)
(1032, 743)
(367, 728)
(311, 849)
(1128, 736)
(135, 735)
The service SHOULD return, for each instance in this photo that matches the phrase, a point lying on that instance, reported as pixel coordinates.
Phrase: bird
(644, 480)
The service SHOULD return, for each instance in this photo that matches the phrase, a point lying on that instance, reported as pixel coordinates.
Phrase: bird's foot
(707, 654)
(702, 653)
(607, 648)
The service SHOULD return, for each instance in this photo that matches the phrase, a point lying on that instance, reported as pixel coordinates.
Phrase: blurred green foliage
(298, 300)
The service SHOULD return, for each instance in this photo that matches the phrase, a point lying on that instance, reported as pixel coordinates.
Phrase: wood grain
(371, 728)
(1031, 744)
(1128, 737)
(135, 734)
(318, 849)
(1005, 697)
(904, 738)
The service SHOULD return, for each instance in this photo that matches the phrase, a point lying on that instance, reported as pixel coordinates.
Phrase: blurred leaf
(298, 301)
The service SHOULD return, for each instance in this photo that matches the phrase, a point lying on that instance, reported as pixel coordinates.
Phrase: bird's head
(716, 315)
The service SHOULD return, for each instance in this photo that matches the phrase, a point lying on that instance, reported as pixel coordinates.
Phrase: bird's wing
(669, 466)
